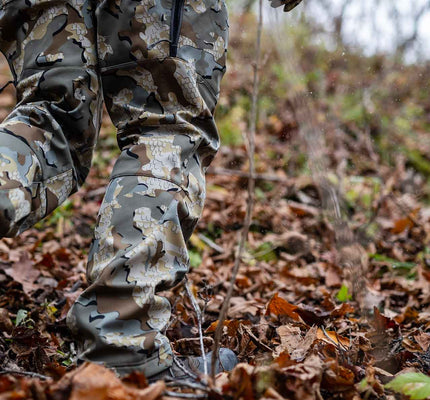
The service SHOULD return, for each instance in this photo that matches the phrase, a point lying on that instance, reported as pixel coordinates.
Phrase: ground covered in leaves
(292, 321)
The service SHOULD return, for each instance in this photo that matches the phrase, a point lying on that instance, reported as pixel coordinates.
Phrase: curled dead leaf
(92, 381)
(278, 306)
(333, 337)
(24, 272)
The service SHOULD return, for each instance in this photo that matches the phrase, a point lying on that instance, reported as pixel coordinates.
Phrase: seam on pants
(152, 177)
(152, 358)
(80, 67)
(4, 3)
(43, 183)
(25, 142)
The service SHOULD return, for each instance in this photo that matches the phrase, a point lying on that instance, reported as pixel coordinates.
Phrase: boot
(161, 63)
(46, 142)
(188, 367)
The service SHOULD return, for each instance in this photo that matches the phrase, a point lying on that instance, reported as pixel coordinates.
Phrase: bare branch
(25, 373)
(241, 174)
(167, 393)
(251, 190)
(199, 323)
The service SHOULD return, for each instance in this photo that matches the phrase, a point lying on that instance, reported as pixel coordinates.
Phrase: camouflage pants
(157, 64)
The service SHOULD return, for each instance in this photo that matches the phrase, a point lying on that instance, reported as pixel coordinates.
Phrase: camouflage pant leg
(162, 62)
(46, 142)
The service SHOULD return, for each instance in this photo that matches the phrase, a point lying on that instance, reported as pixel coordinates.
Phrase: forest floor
(293, 323)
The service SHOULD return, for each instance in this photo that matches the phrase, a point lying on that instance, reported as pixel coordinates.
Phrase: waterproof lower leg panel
(162, 62)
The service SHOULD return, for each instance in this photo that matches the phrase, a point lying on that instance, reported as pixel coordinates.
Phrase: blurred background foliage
(362, 68)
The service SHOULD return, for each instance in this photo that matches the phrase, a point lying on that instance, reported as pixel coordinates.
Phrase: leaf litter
(293, 323)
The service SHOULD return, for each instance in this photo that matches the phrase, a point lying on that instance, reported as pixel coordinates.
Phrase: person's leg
(162, 62)
(46, 142)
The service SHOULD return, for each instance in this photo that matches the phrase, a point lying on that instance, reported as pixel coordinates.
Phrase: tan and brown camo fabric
(47, 141)
(160, 63)
(162, 106)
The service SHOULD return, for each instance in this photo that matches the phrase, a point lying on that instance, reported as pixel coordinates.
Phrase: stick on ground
(251, 190)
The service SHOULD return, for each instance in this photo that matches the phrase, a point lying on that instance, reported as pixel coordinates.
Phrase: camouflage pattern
(161, 99)
(159, 64)
(47, 141)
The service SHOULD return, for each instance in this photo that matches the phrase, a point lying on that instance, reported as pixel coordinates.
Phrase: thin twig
(242, 174)
(168, 393)
(210, 243)
(183, 383)
(25, 373)
(254, 338)
(342, 349)
(251, 189)
(183, 369)
(199, 323)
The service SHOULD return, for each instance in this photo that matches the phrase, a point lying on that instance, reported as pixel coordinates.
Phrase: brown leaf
(332, 278)
(24, 272)
(290, 338)
(342, 310)
(383, 323)
(213, 325)
(302, 210)
(409, 315)
(337, 378)
(92, 381)
(284, 359)
(404, 224)
(423, 339)
(303, 380)
(292, 341)
(5, 321)
(313, 316)
(278, 306)
(272, 394)
(333, 337)
(241, 382)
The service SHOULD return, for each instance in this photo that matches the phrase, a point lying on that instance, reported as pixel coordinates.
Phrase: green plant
(412, 384)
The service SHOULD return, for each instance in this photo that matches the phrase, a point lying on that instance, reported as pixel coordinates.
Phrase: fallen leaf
(404, 224)
(313, 316)
(293, 343)
(333, 338)
(92, 381)
(5, 321)
(412, 384)
(278, 306)
(423, 339)
(24, 272)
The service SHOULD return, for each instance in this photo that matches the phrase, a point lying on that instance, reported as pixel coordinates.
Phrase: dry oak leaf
(303, 380)
(278, 306)
(333, 337)
(24, 272)
(92, 381)
(232, 325)
(241, 382)
(404, 224)
(337, 378)
(5, 321)
(423, 339)
(292, 341)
